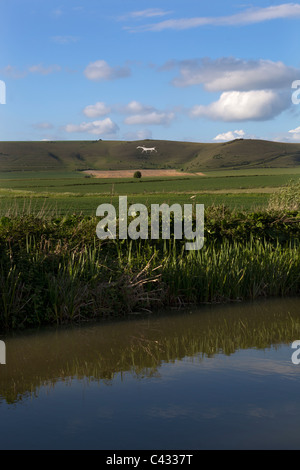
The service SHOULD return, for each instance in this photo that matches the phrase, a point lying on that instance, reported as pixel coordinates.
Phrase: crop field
(66, 192)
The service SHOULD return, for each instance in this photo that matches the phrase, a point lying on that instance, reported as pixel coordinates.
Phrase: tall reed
(57, 271)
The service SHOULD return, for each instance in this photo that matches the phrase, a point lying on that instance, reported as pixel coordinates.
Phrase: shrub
(137, 174)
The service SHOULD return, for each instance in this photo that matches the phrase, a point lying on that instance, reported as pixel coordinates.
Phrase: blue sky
(130, 69)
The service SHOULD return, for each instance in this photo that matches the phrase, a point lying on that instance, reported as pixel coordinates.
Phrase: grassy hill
(104, 155)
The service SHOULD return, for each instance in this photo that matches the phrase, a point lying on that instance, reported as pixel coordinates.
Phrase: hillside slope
(103, 155)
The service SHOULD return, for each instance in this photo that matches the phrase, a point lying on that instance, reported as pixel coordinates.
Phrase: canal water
(215, 377)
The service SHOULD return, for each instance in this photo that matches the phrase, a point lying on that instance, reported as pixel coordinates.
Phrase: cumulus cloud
(140, 114)
(297, 130)
(104, 127)
(250, 90)
(96, 110)
(231, 135)
(256, 105)
(100, 70)
(295, 133)
(135, 107)
(229, 73)
(246, 17)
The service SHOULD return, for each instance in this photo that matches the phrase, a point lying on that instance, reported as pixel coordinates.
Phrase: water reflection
(141, 346)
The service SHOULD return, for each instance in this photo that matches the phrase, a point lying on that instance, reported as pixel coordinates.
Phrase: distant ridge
(104, 155)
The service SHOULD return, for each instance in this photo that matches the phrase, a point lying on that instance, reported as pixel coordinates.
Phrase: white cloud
(153, 117)
(140, 114)
(231, 135)
(295, 133)
(104, 127)
(243, 106)
(297, 130)
(135, 107)
(148, 13)
(248, 16)
(96, 110)
(251, 90)
(229, 73)
(100, 70)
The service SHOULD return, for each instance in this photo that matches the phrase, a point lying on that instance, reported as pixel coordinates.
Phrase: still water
(218, 377)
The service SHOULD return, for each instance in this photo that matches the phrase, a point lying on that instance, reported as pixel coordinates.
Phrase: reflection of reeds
(140, 347)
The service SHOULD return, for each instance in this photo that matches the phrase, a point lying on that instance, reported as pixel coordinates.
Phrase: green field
(78, 186)
(88, 205)
(65, 192)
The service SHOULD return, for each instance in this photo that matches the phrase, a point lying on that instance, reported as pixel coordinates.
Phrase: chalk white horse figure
(147, 149)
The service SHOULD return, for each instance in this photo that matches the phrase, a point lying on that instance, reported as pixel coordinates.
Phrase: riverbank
(56, 271)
